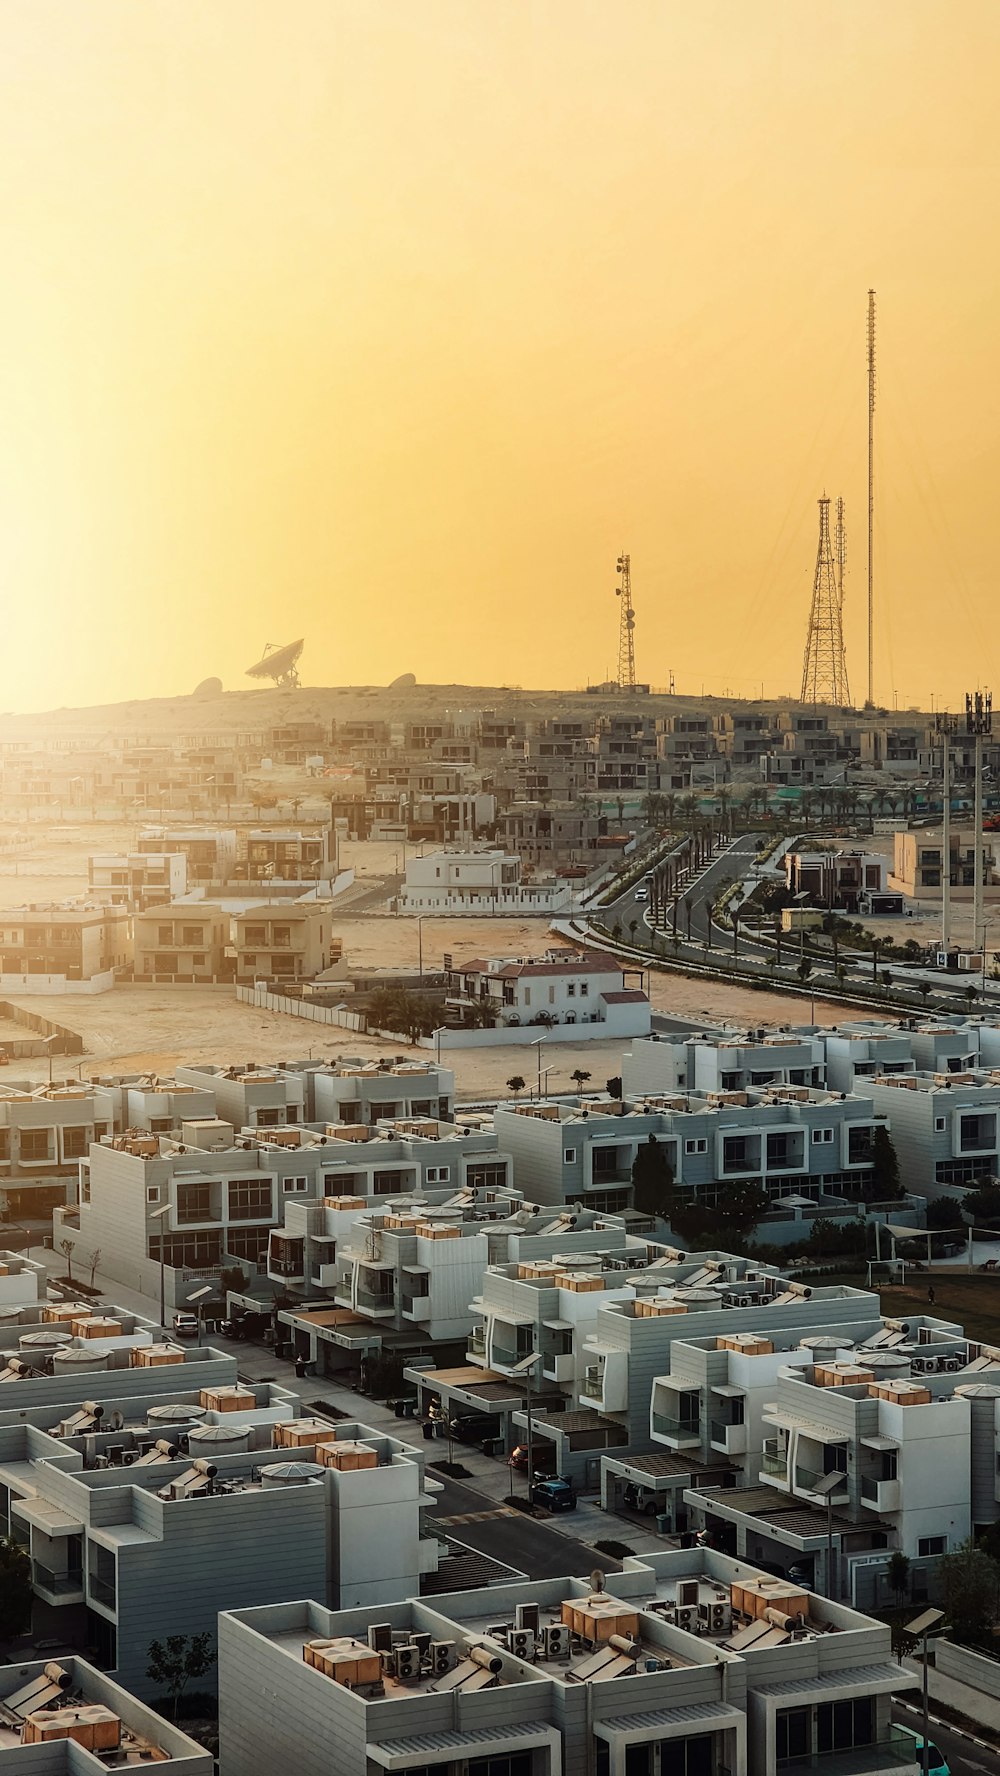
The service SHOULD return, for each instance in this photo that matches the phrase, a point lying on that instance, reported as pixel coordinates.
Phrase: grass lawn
(974, 1301)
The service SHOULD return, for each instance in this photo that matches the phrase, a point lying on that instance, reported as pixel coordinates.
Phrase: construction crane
(626, 627)
(824, 667)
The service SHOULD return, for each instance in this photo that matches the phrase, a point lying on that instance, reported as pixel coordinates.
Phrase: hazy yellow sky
(390, 324)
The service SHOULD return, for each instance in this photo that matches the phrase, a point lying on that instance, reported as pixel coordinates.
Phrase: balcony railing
(897, 1752)
(593, 1384)
(807, 1480)
(477, 1342)
(68, 1583)
(771, 1463)
(504, 1357)
(374, 1301)
(664, 1426)
(102, 1591)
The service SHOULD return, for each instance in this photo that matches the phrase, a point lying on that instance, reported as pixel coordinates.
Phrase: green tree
(653, 1180)
(613, 1087)
(885, 1184)
(15, 1590)
(982, 1206)
(66, 1247)
(968, 1580)
(898, 1573)
(579, 1077)
(176, 1661)
(515, 1084)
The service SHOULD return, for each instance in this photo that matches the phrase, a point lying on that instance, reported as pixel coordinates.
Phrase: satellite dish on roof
(280, 664)
(404, 682)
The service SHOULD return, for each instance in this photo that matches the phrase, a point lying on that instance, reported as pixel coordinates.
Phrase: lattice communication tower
(626, 627)
(824, 667)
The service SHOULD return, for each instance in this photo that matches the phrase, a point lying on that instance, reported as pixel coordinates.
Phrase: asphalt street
(528, 1544)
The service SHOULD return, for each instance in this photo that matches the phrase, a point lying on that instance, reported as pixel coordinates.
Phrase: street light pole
(158, 1215)
(919, 1630)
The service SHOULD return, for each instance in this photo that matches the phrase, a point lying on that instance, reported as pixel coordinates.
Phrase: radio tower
(871, 497)
(626, 643)
(824, 668)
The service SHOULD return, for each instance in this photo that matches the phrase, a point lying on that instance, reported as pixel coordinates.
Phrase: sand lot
(138, 1028)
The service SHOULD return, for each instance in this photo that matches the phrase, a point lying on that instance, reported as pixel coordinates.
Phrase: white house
(582, 990)
(477, 882)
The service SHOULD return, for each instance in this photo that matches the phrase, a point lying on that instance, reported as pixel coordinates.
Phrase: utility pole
(946, 727)
(626, 627)
(871, 497)
(978, 721)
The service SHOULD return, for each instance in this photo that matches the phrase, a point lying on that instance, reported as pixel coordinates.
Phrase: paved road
(529, 1544)
(964, 1758)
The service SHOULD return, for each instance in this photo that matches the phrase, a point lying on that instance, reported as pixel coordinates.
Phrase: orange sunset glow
(390, 325)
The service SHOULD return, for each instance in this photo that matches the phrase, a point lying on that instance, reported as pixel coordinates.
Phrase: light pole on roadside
(537, 1046)
(157, 1215)
(199, 1296)
(526, 1367)
(919, 1629)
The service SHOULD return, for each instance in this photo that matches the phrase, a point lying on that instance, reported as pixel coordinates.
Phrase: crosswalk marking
(476, 1516)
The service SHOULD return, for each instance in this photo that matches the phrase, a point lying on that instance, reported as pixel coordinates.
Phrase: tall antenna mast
(626, 628)
(871, 496)
(840, 552)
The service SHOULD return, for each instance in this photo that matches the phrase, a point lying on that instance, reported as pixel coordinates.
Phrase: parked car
(640, 1498)
(937, 1763)
(185, 1325)
(556, 1494)
(476, 1427)
(543, 1458)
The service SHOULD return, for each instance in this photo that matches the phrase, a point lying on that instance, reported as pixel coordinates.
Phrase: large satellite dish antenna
(280, 664)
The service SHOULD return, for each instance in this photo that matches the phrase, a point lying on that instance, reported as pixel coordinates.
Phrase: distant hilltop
(208, 709)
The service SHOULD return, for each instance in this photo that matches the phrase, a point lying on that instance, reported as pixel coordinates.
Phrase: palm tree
(669, 807)
(633, 926)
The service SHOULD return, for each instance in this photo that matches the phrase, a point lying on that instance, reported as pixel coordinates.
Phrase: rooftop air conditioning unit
(952, 1363)
(442, 1656)
(686, 1616)
(555, 1640)
(407, 1663)
(521, 1642)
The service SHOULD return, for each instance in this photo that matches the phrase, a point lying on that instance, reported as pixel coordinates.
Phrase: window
(696, 1146)
(249, 1243)
(486, 1176)
(165, 934)
(290, 1185)
(928, 1545)
(940, 1125)
(569, 1156)
(793, 1733)
(75, 1143)
(153, 1194)
(194, 1202)
(842, 1725)
(822, 1136)
(255, 934)
(571, 991)
(584, 989)
(34, 1144)
(249, 1199)
(437, 1174)
(192, 934)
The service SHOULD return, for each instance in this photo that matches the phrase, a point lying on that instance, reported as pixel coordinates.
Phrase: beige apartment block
(180, 945)
(281, 942)
(45, 946)
(917, 867)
